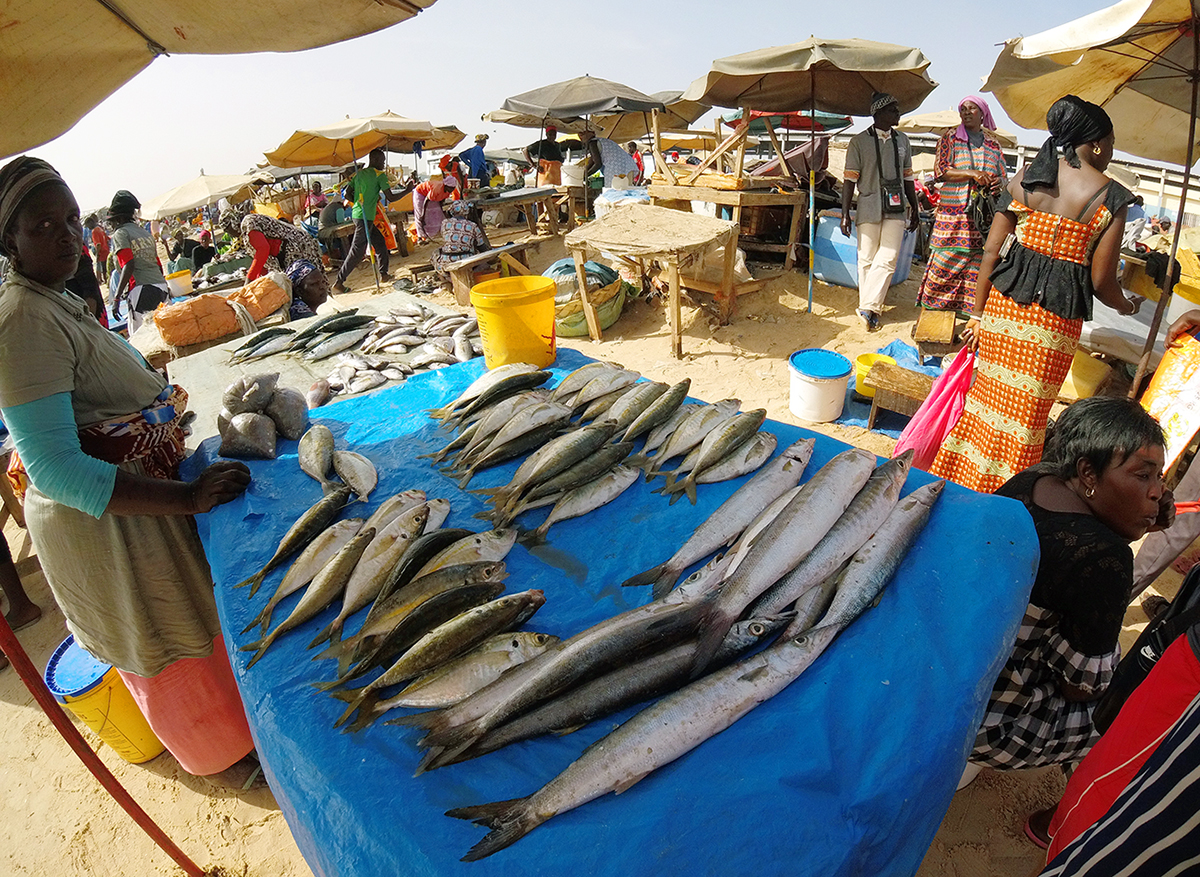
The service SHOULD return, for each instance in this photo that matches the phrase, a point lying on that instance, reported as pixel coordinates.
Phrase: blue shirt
(475, 161)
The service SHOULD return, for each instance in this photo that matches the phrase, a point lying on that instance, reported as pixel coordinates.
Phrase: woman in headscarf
(1054, 245)
(450, 166)
(276, 244)
(97, 433)
(428, 198)
(461, 238)
(969, 159)
(310, 289)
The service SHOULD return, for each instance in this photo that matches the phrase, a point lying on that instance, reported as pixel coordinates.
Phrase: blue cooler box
(835, 256)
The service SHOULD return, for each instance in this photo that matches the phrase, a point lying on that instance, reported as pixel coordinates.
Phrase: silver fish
(392, 507)
(632, 403)
(357, 471)
(481, 385)
(491, 545)
(716, 445)
(742, 461)
(336, 344)
(663, 431)
(693, 431)
(586, 498)
(307, 528)
(658, 411)
(575, 381)
(603, 384)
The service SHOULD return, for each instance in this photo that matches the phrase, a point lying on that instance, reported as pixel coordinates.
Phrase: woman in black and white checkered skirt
(1098, 488)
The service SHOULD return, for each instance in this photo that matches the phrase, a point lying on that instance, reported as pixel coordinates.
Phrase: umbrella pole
(12, 649)
(812, 190)
(1165, 297)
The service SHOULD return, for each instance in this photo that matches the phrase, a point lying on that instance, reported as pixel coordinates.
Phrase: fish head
(816, 638)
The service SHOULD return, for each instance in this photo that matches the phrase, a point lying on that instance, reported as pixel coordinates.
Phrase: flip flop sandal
(1033, 836)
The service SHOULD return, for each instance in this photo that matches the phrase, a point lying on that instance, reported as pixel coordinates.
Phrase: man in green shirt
(369, 185)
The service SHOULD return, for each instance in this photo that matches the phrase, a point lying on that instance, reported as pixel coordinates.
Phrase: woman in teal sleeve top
(98, 433)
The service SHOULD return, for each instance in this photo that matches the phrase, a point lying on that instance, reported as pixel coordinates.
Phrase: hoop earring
(1097, 150)
(1090, 492)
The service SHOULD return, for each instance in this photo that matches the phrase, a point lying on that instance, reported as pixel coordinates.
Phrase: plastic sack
(264, 296)
(938, 413)
(201, 318)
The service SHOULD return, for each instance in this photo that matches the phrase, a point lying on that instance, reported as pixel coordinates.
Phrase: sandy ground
(55, 818)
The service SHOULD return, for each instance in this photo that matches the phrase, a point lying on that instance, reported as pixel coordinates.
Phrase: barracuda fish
(725, 524)
(624, 687)
(873, 565)
(307, 528)
(787, 541)
(866, 512)
(655, 737)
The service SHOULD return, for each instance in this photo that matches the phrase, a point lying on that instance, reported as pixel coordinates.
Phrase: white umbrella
(946, 120)
(349, 140)
(203, 190)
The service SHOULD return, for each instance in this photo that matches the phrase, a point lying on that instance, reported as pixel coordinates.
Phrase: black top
(1060, 286)
(202, 255)
(547, 149)
(186, 247)
(1085, 572)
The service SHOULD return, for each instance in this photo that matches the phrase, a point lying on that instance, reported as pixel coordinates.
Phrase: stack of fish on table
(786, 567)
(580, 435)
(370, 350)
(434, 592)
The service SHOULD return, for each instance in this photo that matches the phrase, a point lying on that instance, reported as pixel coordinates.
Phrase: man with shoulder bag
(879, 165)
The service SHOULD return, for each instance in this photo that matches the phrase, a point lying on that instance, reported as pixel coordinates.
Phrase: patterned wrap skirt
(1025, 353)
(955, 254)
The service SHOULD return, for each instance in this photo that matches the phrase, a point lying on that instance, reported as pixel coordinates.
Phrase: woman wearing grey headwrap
(1054, 245)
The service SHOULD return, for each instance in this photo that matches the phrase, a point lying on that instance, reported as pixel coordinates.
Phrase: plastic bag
(201, 318)
(938, 413)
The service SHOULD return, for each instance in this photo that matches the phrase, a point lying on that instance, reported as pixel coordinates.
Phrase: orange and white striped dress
(1042, 293)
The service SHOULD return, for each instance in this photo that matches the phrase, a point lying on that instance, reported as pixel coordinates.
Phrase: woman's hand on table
(1184, 325)
(218, 484)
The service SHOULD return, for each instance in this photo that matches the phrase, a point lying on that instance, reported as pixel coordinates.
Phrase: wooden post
(730, 141)
(659, 158)
(798, 212)
(673, 305)
(727, 298)
(784, 167)
(552, 212)
(716, 140)
(589, 311)
(740, 161)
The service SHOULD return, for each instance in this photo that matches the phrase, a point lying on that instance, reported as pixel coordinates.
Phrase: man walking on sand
(879, 163)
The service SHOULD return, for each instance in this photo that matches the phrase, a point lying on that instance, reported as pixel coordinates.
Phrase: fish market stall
(849, 770)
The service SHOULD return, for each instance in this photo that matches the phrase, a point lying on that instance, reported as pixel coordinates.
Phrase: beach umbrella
(571, 124)
(806, 121)
(1140, 60)
(946, 120)
(582, 96)
(631, 125)
(349, 140)
(834, 76)
(47, 43)
(203, 190)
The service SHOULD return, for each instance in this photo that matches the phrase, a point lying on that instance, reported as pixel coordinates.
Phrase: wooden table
(461, 271)
(526, 197)
(737, 199)
(637, 232)
(573, 197)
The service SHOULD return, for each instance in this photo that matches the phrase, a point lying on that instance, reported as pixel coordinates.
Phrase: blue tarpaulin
(849, 771)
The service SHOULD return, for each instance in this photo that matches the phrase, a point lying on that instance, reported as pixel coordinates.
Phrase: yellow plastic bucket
(516, 320)
(95, 692)
(862, 367)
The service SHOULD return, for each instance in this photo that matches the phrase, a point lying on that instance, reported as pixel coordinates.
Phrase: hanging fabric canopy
(570, 124)
(75, 53)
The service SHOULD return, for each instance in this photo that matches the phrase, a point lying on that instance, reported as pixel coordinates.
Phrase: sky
(462, 58)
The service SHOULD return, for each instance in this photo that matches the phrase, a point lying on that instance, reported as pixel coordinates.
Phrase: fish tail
(710, 640)
(262, 646)
(689, 487)
(426, 720)
(333, 651)
(533, 538)
(441, 756)
(364, 699)
(508, 826)
(676, 494)
(345, 658)
(489, 492)
(254, 581)
(263, 617)
(664, 583)
(331, 685)
(367, 716)
(325, 634)
(645, 578)
(465, 478)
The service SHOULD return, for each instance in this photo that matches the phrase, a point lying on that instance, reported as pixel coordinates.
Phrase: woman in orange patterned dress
(1054, 246)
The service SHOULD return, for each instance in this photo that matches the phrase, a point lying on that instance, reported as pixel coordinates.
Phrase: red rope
(33, 681)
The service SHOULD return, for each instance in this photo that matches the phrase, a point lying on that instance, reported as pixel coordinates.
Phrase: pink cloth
(194, 708)
(986, 111)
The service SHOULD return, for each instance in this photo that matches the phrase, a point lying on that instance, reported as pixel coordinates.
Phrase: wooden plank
(738, 133)
(552, 212)
(460, 283)
(515, 264)
(739, 163)
(798, 211)
(714, 289)
(673, 306)
(765, 198)
(589, 310)
(727, 297)
(901, 382)
(784, 167)
(935, 326)
(660, 160)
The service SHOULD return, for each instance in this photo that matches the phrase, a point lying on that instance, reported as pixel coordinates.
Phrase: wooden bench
(934, 333)
(461, 272)
(896, 389)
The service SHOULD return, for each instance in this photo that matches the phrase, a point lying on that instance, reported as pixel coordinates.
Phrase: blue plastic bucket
(818, 384)
(95, 692)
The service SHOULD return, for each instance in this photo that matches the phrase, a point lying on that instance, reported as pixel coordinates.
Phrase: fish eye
(757, 629)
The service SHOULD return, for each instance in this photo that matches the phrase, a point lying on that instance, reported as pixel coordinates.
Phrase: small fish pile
(806, 559)
(371, 351)
(254, 411)
(580, 435)
(317, 456)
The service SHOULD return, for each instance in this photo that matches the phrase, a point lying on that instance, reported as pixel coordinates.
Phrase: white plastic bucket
(180, 283)
(818, 384)
(621, 182)
(572, 174)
